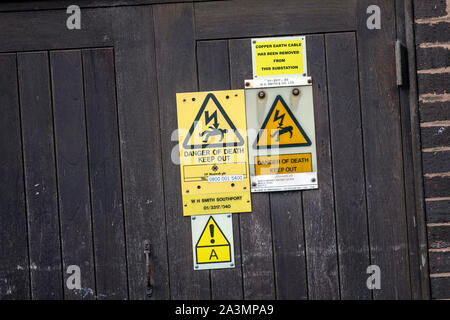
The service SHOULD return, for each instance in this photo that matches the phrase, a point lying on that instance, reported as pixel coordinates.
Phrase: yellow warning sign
(213, 152)
(283, 163)
(274, 56)
(213, 246)
(281, 129)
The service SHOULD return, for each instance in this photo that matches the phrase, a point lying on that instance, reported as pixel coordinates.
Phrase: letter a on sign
(212, 237)
(280, 129)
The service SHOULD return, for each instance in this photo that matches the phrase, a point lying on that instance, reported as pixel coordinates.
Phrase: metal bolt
(254, 184)
(229, 216)
(193, 218)
(261, 94)
(309, 80)
(196, 267)
(247, 84)
(295, 92)
(313, 180)
(232, 265)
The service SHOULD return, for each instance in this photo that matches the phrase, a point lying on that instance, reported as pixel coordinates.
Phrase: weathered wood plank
(47, 30)
(14, 271)
(63, 4)
(318, 205)
(288, 245)
(140, 146)
(72, 169)
(348, 165)
(253, 18)
(174, 33)
(383, 153)
(413, 181)
(104, 168)
(256, 237)
(40, 176)
(214, 74)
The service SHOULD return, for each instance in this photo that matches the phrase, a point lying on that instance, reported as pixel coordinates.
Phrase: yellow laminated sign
(213, 152)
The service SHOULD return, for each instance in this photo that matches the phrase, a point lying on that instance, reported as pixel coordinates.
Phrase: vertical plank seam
(56, 171)
(121, 176)
(160, 154)
(332, 167)
(304, 247)
(401, 120)
(273, 250)
(363, 153)
(237, 215)
(25, 198)
(198, 86)
(83, 88)
(420, 204)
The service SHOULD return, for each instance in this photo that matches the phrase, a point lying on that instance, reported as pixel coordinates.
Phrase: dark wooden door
(87, 141)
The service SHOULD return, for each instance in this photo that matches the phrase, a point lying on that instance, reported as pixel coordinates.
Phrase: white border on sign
(305, 60)
(225, 223)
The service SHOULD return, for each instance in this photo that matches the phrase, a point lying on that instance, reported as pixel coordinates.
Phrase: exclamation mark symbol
(211, 231)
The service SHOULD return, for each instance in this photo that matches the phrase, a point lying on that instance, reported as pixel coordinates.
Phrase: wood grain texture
(140, 145)
(72, 169)
(253, 18)
(40, 176)
(288, 245)
(105, 178)
(348, 165)
(214, 74)
(63, 4)
(47, 30)
(14, 261)
(174, 33)
(383, 153)
(256, 237)
(318, 205)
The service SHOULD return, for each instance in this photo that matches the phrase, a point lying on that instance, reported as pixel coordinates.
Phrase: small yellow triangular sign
(212, 235)
(281, 129)
(212, 127)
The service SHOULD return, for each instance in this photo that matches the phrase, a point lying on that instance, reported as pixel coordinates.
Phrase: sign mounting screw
(261, 94)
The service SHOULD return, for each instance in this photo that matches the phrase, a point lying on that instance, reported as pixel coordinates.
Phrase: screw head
(313, 180)
(247, 84)
(310, 80)
(261, 94)
(295, 91)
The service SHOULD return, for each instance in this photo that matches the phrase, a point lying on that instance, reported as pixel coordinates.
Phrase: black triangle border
(225, 115)
(286, 107)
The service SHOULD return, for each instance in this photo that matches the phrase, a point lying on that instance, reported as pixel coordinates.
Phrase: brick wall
(432, 30)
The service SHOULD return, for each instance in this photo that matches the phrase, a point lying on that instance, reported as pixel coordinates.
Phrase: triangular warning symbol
(212, 235)
(212, 128)
(280, 129)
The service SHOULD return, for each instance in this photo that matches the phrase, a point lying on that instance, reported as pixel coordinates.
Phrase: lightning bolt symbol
(212, 117)
(281, 118)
